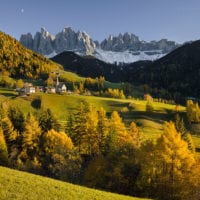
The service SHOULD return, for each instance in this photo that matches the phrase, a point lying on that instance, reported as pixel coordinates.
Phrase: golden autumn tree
(90, 140)
(193, 112)
(88, 129)
(57, 142)
(80, 127)
(117, 169)
(20, 83)
(31, 143)
(3, 149)
(9, 133)
(60, 159)
(50, 81)
(168, 169)
(102, 130)
(189, 105)
(117, 135)
(135, 134)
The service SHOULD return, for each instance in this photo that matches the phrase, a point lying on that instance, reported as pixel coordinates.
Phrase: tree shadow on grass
(197, 149)
(36, 103)
(7, 94)
(117, 104)
(152, 116)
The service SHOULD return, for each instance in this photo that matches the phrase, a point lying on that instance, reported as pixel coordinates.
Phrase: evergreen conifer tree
(135, 134)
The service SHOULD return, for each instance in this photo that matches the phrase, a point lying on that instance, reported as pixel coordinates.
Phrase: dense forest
(177, 72)
(99, 151)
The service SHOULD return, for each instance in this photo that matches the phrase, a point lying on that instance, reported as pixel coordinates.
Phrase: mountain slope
(89, 66)
(178, 72)
(21, 185)
(20, 62)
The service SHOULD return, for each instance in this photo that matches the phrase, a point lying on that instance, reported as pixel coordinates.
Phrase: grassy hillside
(18, 185)
(131, 110)
(150, 124)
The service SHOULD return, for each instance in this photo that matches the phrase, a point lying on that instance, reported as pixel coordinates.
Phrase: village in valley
(28, 89)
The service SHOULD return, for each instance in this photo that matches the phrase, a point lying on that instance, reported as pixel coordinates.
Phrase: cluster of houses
(30, 89)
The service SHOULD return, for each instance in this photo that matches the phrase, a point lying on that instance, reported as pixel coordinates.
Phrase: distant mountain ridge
(124, 48)
(131, 42)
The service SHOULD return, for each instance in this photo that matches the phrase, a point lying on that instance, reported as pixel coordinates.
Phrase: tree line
(99, 151)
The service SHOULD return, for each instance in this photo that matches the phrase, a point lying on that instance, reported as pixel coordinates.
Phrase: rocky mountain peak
(27, 40)
(110, 38)
(125, 47)
(46, 34)
(66, 40)
(67, 30)
(122, 42)
(131, 42)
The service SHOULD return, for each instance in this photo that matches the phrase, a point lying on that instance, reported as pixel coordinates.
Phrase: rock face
(27, 40)
(122, 48)
(67, 40)
(131, 42)
(43, 42)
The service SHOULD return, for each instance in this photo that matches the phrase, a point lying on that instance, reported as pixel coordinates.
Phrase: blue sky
(177, 20)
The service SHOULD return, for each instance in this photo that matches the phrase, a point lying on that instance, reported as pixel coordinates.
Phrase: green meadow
(150, 124)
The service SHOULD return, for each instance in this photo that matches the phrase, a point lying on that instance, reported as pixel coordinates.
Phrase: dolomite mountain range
(124, 48)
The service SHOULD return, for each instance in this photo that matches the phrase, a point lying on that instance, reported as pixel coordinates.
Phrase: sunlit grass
(70, 76)
(16, 185)
(150, 124)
